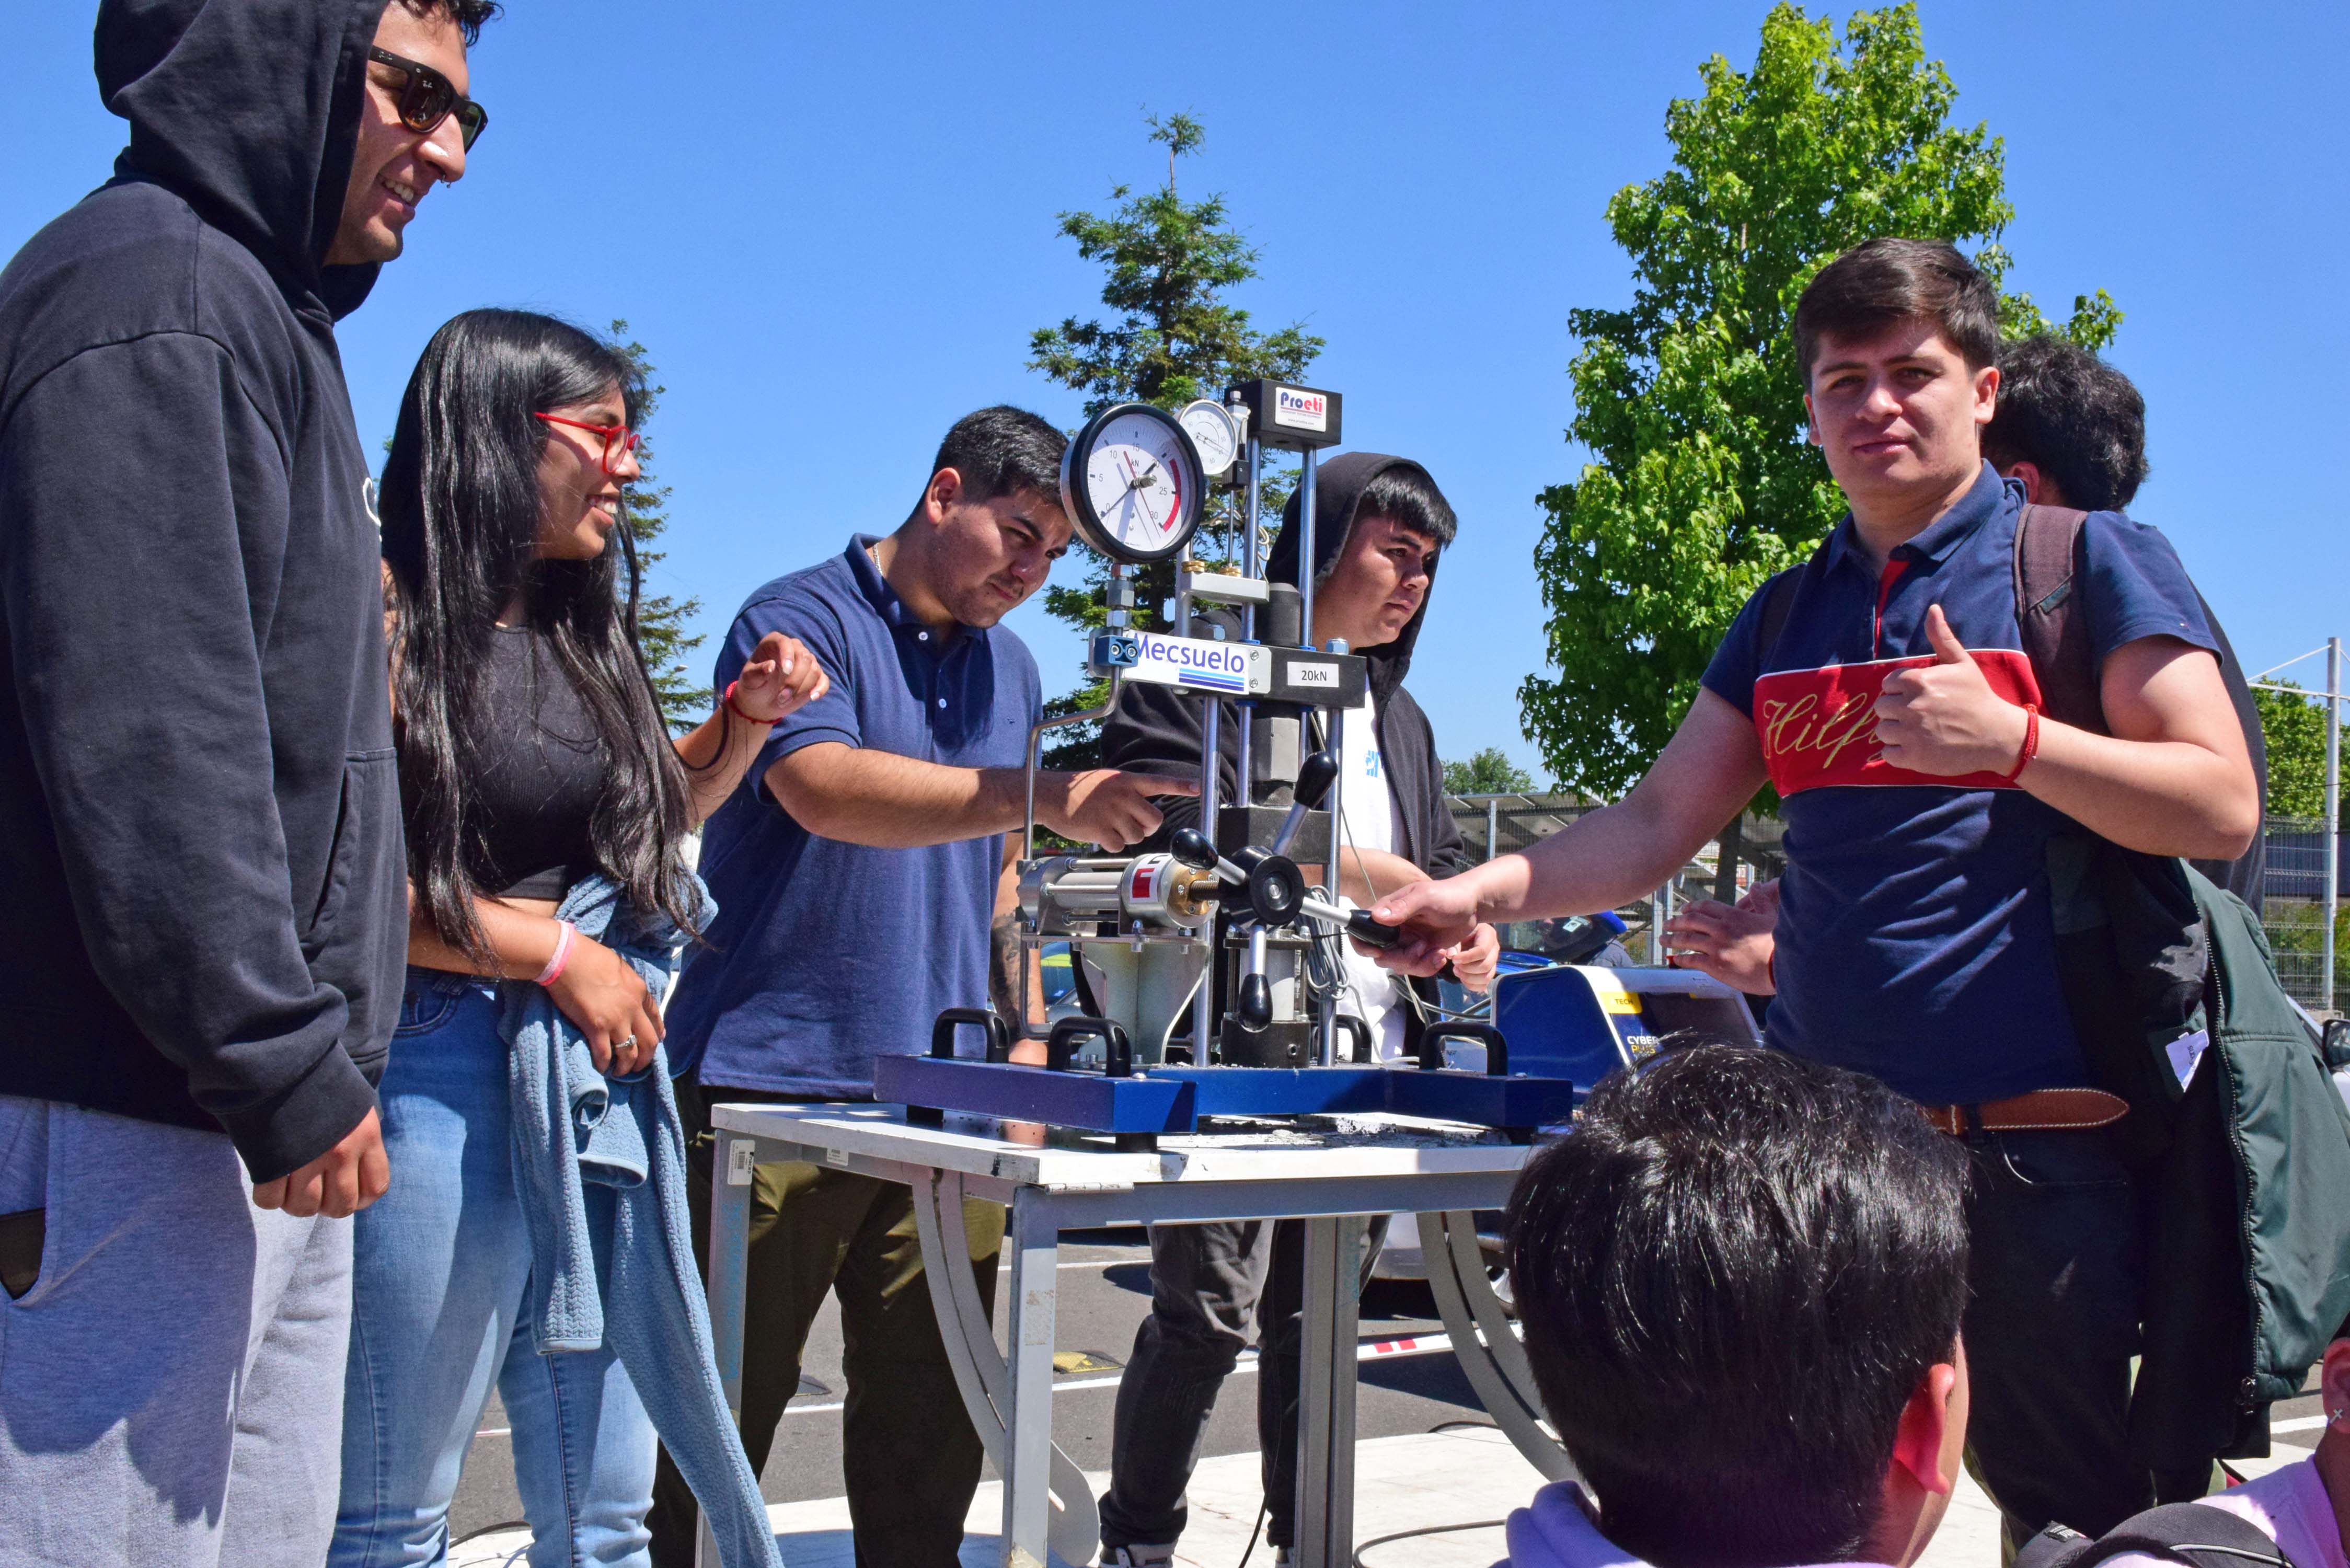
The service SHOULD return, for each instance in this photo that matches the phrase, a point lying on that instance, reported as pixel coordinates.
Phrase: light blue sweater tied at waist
(627, 1275)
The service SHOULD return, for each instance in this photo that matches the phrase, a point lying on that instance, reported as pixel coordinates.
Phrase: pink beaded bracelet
(561, 956)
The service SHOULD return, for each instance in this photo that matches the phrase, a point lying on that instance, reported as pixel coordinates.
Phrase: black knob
(1191, 847)
(1372, 933)
(1315, 776)
(1256, 1002)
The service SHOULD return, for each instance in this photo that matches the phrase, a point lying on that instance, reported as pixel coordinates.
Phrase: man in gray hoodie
(200, 832)
(1381, 527)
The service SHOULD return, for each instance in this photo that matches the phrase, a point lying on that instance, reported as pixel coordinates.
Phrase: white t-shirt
(1368, 814)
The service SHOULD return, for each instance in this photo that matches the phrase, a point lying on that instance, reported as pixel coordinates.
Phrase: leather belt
(2043, 1110)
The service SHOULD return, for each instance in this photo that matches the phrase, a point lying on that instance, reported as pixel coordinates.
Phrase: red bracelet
(2031, 742)
(730, 707)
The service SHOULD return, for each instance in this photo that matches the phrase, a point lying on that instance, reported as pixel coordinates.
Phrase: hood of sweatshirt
(249, 112)
(1338, 486)
(1557, 1531)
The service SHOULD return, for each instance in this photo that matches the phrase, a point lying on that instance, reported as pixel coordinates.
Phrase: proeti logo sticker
(1301, 410)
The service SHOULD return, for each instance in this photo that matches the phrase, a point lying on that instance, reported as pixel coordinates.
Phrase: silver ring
(628, 1043)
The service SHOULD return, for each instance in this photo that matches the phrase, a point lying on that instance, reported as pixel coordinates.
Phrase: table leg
(730, 1265)
(1033, 1240)
(1326, 1423)
(1488, 1353)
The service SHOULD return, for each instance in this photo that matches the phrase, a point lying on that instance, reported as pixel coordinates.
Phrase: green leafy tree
(1490, 772)
(1173, 338)
(661, 619)
(1700, 483)
(2294, 729)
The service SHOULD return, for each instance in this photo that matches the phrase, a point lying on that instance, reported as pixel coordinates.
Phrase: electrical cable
(1254, 1531)
(491, 1529)
(1424, 1530)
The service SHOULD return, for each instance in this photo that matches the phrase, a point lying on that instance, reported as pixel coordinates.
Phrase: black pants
(1209, 1283)
(2057, 1271)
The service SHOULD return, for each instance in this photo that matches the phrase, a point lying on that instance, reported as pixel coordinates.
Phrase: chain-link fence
(2293, 910)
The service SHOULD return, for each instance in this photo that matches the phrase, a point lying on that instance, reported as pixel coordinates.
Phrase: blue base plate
(1174, 1099)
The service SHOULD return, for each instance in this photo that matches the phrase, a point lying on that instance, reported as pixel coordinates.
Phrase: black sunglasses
(427, 98)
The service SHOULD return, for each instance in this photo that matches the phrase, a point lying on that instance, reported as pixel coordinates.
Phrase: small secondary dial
(1214, 433)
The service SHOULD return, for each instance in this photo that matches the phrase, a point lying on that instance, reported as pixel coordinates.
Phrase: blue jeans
(437, 1315)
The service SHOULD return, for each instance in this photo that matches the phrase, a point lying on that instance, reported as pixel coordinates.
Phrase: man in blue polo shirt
(1897, 715)
(857, 871)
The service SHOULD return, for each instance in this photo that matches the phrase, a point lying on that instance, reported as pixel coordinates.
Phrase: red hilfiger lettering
(1818, 727)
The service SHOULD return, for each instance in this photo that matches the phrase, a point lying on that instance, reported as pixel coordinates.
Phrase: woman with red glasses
(538, 779)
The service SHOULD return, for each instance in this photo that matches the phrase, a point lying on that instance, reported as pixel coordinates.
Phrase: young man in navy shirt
(856, 872)
(1895, 714)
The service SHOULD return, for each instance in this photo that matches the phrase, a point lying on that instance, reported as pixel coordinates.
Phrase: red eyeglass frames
(617, 439)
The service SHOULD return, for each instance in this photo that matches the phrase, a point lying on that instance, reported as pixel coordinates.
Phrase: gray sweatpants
(171, 1385)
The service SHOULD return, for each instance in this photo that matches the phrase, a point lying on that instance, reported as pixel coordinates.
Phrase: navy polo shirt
(823, 954)
(1915, 941)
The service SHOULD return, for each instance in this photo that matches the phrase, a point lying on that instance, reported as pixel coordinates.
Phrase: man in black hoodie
(1380, 524)
(202, 943)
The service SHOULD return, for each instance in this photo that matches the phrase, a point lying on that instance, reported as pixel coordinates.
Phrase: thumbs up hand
(1943, 719)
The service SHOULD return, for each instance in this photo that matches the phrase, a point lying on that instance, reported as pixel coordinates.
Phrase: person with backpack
(2071, 429)
(2295, 1516)
(1901, 718)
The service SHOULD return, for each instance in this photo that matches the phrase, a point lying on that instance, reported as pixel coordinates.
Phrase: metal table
(1328, 1176)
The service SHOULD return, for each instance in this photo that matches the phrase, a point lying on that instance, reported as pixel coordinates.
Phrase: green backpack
(2247, 1168)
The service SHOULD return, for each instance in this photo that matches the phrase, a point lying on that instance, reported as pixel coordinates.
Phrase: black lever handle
(1497, 1050)
(1315, 774)
(1192, 848)
(1117, 1053)
(1361, 1034)
(1256, 1002)
(1372, 933)
(999, 1036)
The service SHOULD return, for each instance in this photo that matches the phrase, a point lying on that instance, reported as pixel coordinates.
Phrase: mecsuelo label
(1301, 410)
(1314, 675)
(1192, 661)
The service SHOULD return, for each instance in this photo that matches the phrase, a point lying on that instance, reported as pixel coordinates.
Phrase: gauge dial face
(1135, 483)
(1214, 434)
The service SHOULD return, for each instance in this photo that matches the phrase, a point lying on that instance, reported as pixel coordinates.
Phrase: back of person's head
(1878, 284)
(462, 506)
(1003, 450)
(2073, 417)
(1734, 1274)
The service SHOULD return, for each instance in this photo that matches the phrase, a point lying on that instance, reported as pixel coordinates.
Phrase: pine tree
(661, 619)
(1174, 340)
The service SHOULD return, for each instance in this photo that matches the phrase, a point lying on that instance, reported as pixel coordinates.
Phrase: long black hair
(460, 512)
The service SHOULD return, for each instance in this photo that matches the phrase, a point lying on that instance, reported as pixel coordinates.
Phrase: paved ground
(1105, 1286)
(1426, 1456)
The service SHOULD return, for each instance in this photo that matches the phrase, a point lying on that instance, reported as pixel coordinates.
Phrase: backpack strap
(2178, 1532)
(2049, 610)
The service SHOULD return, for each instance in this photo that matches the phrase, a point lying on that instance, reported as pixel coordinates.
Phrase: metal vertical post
(1305, 548)
(728, 1281)
(1033, 1241)
(1492, 827)
(1326, 1417)
(1325, 1043)
(1250, 567)
(2332, 819)
(1664, 908)
(1203, 1004)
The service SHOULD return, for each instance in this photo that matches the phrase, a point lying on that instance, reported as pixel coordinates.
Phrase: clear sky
(833, 225)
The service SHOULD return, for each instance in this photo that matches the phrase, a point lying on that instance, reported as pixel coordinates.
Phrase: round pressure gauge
(1132, 485)
(1214, 432)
